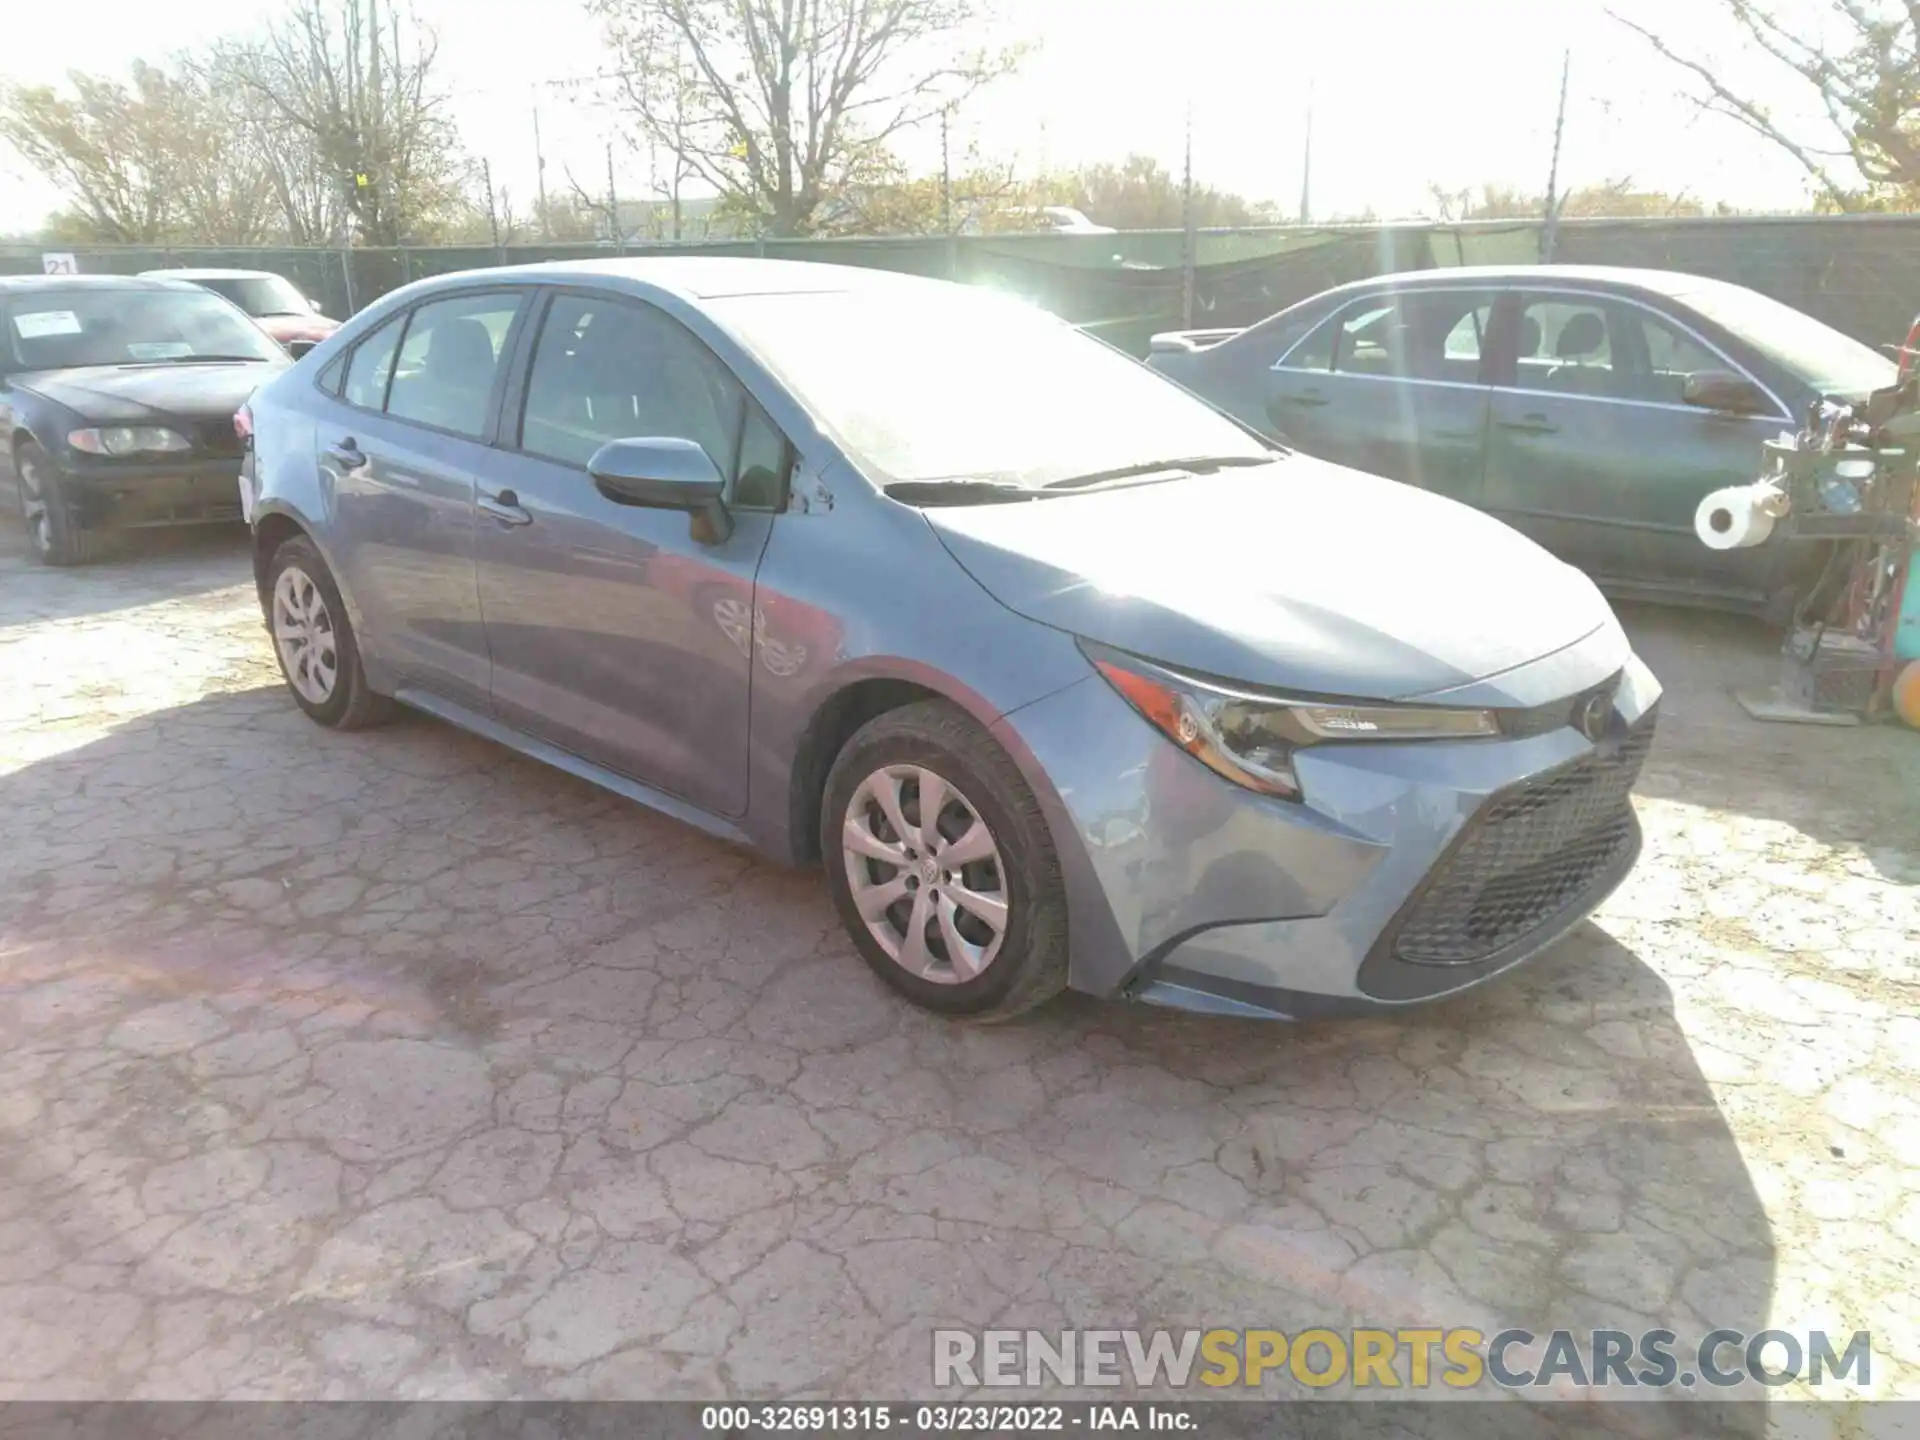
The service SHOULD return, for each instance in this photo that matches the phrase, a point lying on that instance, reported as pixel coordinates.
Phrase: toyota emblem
(1591, 715)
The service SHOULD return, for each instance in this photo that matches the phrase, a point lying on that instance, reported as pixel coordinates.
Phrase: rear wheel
(313, 640)
(942, 867)
(53, 533)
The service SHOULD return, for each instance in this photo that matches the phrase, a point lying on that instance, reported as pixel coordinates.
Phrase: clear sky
(1406, 93)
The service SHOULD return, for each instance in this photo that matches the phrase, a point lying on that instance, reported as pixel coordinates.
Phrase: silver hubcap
(33, 504)
(303, 634)
(925, 873)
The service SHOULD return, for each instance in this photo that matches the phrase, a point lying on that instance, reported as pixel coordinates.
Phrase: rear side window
(1419, 335)
(371, 366)
(330, 377)
(446, 367)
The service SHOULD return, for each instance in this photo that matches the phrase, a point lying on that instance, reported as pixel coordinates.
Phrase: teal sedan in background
(1592, 409)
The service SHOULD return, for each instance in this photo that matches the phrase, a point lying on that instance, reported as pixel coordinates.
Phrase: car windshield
(943, 384)
(1832, 363)
(260, 294)
(58, 329)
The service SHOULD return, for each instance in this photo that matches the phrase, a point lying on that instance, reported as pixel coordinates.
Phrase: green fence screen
(1860, 274)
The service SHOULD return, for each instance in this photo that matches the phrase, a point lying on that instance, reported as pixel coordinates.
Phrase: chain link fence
(1860, 274)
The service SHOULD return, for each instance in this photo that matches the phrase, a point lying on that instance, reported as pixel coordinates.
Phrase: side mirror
(1725, 392)
(298, 348)
(664, 473)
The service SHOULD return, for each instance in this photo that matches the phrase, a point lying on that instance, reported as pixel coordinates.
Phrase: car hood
(1300, 576)
(134, 394)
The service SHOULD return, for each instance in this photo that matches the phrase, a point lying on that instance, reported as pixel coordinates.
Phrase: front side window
(606, 369)
(448, 362)
(1418, 335)
(1567, 346)
(61, 329)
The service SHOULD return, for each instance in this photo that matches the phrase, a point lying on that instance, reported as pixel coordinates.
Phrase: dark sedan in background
(1592, 409)
(117, 401)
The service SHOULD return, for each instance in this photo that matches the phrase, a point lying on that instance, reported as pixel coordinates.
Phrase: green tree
(1139, 193)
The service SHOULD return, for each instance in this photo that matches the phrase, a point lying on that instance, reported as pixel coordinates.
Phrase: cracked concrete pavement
(394, 1065)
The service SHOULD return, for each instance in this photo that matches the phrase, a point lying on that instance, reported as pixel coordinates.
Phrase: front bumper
(1409, 872)
(188, 491)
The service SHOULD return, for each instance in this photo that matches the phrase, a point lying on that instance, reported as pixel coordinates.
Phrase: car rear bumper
(1408, 873)
(127, 497)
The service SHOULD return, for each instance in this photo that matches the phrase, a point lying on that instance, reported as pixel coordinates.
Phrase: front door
(1392, 384)
(615, 633)
(401, 448)
(1594, 453)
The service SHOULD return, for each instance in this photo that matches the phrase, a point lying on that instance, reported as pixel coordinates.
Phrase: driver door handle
(1534, 424)
(348, 453)
(506, 508)
(1304, 397)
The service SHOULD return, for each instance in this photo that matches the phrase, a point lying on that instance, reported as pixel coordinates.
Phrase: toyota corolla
(1100, 688)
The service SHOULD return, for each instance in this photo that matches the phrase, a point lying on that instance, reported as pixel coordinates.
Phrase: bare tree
(308, 197)
(781, 104)
(1868, 87)
(115, 151)
(361, 94)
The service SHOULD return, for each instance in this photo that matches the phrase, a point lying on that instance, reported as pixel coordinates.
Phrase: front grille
(218, 438)
(1532, 854)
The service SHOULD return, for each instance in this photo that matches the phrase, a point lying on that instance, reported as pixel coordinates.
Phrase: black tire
(350, 703)
(53, 535)
(1030, 966)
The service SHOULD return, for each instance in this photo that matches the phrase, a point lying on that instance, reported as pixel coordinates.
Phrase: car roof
(213, 274)
(1662, 282)
(29, 284)
(709, 277)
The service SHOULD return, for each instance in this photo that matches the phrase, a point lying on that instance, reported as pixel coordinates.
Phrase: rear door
(403, 447)
(1594, 453)
(1393, 384)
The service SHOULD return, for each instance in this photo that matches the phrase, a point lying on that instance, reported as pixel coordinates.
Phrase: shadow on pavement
(1855, 787)
(148, 567)
(1543, 1154)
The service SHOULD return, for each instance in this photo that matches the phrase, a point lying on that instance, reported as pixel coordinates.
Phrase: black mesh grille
(1531, 854)
(218, 437)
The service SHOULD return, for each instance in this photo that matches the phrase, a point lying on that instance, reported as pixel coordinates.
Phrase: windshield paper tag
(41, 323)
(159, 349)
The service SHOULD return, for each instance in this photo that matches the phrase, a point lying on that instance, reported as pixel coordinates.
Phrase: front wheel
(942, 867)
(314, 643)
(56, 537)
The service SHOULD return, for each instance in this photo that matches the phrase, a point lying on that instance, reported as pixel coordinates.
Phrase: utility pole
(375, 156)
(946, 175)
(613, 208)
(493, 217)
(540, 170)
(1552, 236)
(1306, 165)
(1188, 243)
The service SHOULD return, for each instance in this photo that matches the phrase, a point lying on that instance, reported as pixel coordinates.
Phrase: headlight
(1250, 738)
(128, 440)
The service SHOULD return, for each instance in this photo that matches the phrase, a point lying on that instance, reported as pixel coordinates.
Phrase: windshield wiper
(1191, 465)
(956, 492)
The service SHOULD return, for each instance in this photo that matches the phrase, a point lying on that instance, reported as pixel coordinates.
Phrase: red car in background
(272, 300)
